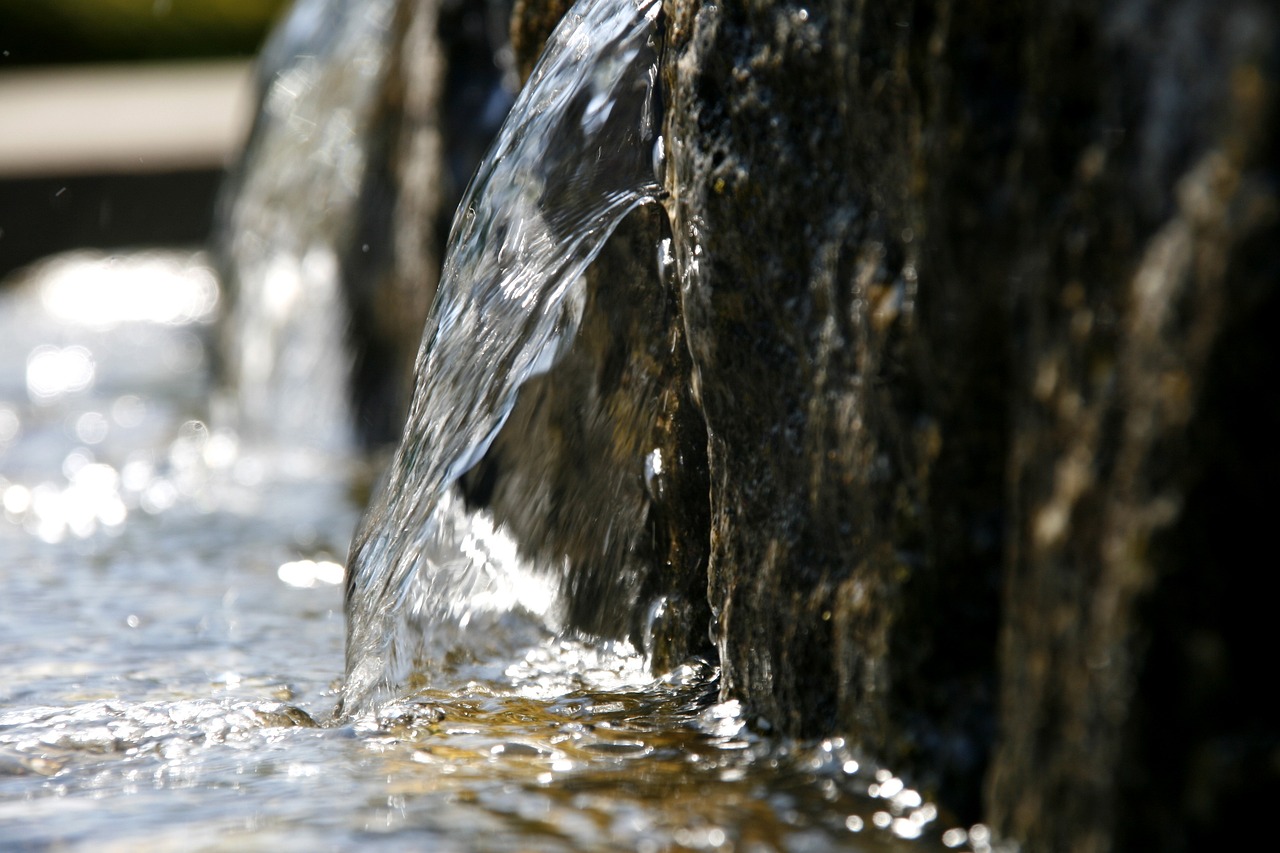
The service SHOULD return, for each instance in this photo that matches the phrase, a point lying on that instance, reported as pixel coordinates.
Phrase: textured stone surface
(967, 289)
(855, 454)
(531, 24)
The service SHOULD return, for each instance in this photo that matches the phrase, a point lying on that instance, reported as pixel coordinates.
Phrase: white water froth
(430, 580)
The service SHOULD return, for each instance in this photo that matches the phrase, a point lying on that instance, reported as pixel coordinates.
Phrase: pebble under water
(172, 635)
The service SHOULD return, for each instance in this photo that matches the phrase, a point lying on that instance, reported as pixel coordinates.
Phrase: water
(172, 624)
(285, 215)
(172, 635)
(429, 580)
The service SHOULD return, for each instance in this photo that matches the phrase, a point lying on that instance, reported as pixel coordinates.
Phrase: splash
(574, 157)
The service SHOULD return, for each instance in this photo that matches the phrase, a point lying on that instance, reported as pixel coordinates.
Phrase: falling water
(574, 157)
(285, 216)
(170, 621)
(170, 629)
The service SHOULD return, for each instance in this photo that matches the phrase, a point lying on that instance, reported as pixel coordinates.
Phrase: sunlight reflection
(10, 425)
(92, 427)
(89, 503)
(99, 290)
(53, 371)
(305, 574)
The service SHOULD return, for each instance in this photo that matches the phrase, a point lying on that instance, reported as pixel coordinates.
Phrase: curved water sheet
(574, 157)
(286, 215)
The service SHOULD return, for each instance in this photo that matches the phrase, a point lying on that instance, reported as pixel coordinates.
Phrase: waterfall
(285, 216)
(426, 576)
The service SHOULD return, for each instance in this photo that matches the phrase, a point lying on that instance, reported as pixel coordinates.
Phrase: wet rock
(856, 459)
(531, 24)
(952, 418)
(972, 296)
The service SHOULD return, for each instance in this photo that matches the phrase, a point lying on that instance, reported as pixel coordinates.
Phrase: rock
(856, 461)
(972, 296)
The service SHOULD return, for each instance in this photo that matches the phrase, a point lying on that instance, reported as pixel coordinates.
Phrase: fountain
(573, 160)
(908, 405)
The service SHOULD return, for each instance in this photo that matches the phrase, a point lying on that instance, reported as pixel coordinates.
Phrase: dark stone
(856, 459)
(531, 24)
(972, 293)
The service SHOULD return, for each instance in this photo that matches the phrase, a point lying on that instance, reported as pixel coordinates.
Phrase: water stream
(575, 156)
(284, 216)
(172, 627)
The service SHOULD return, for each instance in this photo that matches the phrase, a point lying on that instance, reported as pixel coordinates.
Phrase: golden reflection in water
(654, 767)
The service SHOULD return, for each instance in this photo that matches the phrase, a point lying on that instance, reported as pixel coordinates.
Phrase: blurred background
(118, 118)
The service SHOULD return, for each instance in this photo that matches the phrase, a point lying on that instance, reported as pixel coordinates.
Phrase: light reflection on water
(171, 630)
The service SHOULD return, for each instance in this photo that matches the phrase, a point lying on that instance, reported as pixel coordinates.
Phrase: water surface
(172, 635)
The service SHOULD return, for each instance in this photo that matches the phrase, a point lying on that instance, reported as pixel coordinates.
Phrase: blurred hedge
(48, 31)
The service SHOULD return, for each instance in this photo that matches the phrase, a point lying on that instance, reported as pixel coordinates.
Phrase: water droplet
(91, 427)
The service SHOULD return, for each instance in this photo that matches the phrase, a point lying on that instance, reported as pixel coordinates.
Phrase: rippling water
(172, 634)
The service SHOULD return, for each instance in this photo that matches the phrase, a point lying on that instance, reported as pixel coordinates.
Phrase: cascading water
(285, 215)
(170, 620)
(575, 156)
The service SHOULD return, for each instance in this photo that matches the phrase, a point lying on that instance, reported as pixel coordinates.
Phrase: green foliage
(97, 30)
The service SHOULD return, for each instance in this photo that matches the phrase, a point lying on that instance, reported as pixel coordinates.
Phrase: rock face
(852, 366)
(972, 294)
(976, 299)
